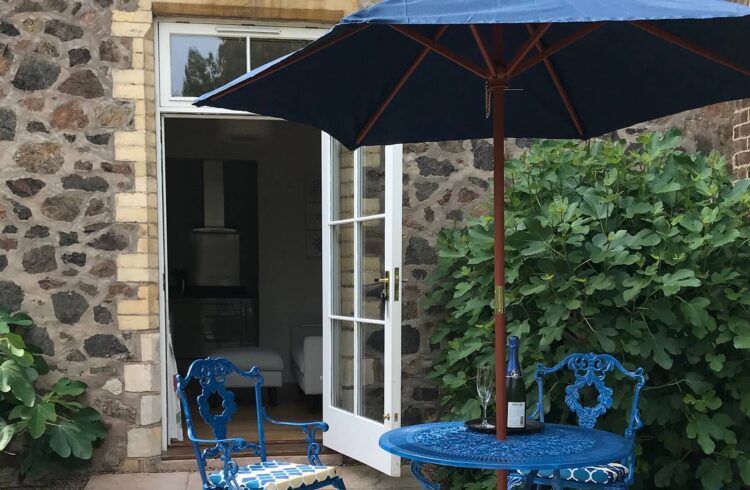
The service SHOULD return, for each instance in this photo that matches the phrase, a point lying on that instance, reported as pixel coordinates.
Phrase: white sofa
(269, 362)
(306, 353)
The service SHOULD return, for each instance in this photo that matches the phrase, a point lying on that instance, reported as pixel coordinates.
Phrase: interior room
(244, 259)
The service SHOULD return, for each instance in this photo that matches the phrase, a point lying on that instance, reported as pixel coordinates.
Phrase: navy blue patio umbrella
(408, 71)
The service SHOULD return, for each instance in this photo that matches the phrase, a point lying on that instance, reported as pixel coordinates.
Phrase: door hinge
(387, 417)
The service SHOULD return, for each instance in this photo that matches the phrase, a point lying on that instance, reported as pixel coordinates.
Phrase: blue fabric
(601, 475)
(276, 475)
(526, 11)
(616, 76)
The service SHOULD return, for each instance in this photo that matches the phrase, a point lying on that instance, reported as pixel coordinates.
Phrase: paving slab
(140, 481)
(357, 477)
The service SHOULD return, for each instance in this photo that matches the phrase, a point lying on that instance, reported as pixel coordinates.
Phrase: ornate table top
(556, 447)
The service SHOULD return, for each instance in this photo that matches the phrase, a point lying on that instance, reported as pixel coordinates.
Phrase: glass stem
(484, 413)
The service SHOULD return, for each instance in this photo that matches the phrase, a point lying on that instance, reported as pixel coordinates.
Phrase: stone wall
(64, 233)
(448, 183)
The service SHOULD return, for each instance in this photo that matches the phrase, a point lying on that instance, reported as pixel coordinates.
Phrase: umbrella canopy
(610, 64)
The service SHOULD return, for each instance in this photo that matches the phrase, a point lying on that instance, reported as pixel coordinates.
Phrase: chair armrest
(321, 426)
(236, 442)
(310, 429)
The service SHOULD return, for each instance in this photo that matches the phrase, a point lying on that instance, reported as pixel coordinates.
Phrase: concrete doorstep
(357, 477)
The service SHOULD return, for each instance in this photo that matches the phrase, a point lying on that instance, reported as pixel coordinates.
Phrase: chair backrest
(590, 370)
(211, 374)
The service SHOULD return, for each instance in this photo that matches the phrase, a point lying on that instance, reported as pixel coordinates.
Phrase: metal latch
(385, 281)
(396, 283)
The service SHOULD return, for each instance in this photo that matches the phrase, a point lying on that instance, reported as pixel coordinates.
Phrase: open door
(361, 299)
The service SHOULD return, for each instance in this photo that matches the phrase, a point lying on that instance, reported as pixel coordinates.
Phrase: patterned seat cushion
(603, 474)
(276, 475)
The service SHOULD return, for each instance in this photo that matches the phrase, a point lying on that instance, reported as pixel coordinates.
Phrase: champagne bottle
(514, 387)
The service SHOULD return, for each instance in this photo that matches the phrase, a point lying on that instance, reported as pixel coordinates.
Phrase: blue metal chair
(211, 374)
(590, 370)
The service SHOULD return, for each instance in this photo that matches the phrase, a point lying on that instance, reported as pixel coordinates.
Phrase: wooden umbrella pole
(501, 420)
(497, 88)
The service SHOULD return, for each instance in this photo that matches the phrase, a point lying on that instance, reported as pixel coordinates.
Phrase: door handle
(385, 281)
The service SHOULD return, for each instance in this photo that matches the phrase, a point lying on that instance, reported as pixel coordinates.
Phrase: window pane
(343, 365)
(372, 267)
(373, 180)
(371, 371)
(264, 50)
(343, 270)
(200, 64)
(342, 184)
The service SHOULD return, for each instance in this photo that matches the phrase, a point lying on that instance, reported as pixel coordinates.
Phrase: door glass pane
(373, 180)
(372, 267)
(342, 371)
(264, 50)
(342, 185)
(371, 371)
(343, 270)
(199, 64)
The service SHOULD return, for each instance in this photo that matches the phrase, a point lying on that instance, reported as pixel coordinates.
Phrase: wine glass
(485, 386)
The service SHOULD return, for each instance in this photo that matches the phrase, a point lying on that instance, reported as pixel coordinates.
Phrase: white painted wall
(289, 282)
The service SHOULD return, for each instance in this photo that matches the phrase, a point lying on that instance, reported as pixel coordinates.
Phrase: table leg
(556, 480)
(530, 476)
(416, 470)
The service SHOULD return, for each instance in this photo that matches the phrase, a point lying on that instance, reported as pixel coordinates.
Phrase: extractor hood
(215, 248)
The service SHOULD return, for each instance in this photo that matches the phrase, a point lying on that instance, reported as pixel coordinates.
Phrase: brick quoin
(741, 134)
(741, 139)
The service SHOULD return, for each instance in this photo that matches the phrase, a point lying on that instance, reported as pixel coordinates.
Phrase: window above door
(196, 58)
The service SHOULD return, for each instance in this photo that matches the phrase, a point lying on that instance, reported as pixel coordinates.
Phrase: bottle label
(516, 415)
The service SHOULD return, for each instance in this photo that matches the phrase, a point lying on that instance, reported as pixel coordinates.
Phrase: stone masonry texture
(59, 178)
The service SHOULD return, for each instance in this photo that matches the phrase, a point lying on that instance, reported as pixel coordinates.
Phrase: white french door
(361, 299)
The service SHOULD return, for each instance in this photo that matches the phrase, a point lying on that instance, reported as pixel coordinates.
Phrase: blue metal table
(555, 448)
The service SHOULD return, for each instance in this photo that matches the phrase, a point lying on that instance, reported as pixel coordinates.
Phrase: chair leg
(338, 483)
(273, 396)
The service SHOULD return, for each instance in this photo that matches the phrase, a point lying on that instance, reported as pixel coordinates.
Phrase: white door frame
(350, 434)
(180, 107)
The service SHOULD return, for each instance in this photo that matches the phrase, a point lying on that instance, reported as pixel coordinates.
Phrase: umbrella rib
(290, 61)
(397, 88)
(560, 45)
(559, 86)
(690, 46)
(528, 46)
(483, 49)
(441, 50)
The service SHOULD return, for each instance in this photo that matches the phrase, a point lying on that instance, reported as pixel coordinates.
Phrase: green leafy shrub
(641, 252)
(44, 425)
